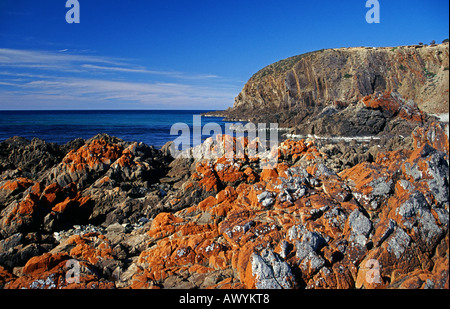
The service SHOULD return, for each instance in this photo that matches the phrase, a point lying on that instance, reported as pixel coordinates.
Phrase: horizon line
(101, 110)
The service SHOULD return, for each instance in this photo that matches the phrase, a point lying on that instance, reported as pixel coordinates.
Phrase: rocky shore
(107, 213)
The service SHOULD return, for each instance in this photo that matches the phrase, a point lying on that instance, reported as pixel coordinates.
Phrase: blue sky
(167, 54)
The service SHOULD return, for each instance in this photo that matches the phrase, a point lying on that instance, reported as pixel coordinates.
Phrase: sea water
(151, 127)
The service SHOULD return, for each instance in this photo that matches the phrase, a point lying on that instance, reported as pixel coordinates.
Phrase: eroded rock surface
(295, 90)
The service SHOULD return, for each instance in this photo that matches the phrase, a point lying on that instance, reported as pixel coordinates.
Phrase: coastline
(147, 220)
(356, 195)
(328, 167)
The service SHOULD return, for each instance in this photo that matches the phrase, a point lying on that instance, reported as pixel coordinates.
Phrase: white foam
(334, 138)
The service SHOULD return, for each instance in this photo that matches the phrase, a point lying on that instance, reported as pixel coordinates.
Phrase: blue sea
(151, 127)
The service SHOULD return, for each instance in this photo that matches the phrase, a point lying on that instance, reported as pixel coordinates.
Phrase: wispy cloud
(46, 59)
(66, 62)
(116, 69)
(173, 74)
(29, 78)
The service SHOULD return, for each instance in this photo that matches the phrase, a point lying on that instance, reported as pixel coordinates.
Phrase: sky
(179, 54)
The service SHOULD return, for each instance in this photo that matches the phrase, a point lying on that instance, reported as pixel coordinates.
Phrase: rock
(266, 199)
(415, 215)
(5, 277)
(270, 272)
(229, 223)
(115, 228)
(10, 242)
(9, 189)
(370, 184)
(30, 157)
(376, 114)
(359, 226)
(50, 271)
(435, 135)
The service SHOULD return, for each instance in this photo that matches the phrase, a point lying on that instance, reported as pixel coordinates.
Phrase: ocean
(151, 127)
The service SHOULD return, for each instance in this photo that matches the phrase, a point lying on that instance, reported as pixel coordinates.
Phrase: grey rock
(310, 242)
(115, 228)
(266, 198)
(296, 232)
(418, 219)
(381, 187)
(324, 171)
(398, 243)
(439, 183)
(32, 156)
(284, 248)
(314, 239)
(270, 271)
(268, 202)
(10, 242)
(313, 261)
(284, 196)
(303, 250)
(388, 231)
(359, 224)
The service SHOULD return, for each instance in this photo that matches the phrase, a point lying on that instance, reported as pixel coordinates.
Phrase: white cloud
(49, 78)
(65, 62)
(173, 74)
(13, 57)
(129, 91)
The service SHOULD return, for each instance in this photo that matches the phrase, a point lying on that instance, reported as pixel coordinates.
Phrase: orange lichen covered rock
(213, 176)
(92, 155)
(5, 277)
(291, 151)
(57, 271)
(17, 185)
(384, 102)
(312, 220)
(392, 104)
(435, 135)
(164, 224)
(370, 184)
(90, 248)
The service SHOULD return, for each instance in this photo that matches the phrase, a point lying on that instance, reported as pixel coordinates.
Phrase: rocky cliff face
(291, 90)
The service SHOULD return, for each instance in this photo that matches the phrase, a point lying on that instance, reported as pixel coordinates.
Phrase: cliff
(295, 89)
